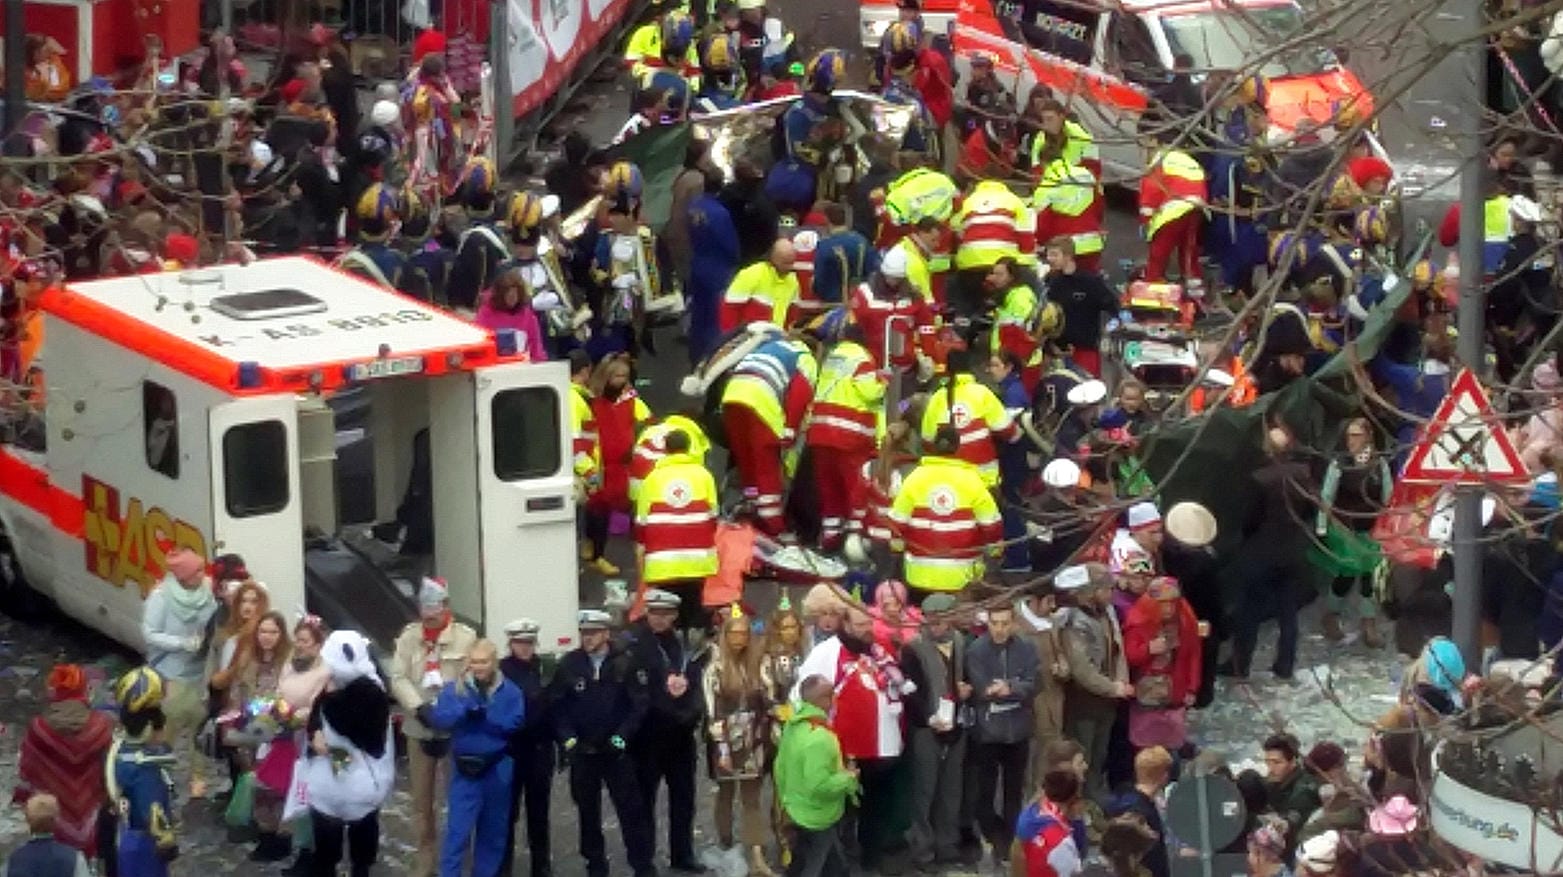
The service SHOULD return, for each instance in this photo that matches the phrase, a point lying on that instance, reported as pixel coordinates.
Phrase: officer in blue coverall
(599, 698)
(1239, 176)
(480, 711)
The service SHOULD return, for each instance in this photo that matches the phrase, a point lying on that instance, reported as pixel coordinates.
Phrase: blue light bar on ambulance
(249, 375)
(507, 342)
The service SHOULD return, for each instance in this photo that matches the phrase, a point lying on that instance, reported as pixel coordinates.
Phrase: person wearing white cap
(532, 748)
(1142, 533)
(663, 749)
(1098, 670)
(1187, 555)
(1083, 406)
(429, 653)
(598, 700)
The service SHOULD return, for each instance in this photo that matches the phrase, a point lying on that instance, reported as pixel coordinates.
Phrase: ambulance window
(255, 469)
(526, 433)
(1131, 51)
(160, 428)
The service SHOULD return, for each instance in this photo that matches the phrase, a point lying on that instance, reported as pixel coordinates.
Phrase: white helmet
(385, 113)
(894, 263)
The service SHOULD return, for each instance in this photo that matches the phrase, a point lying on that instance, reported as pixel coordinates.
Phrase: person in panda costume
(349, 768)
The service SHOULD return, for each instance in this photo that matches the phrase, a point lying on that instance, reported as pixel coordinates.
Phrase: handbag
(1150, 726)
(297, 802)
(1153, 691)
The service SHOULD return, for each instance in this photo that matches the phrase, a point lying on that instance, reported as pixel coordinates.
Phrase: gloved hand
(424, 714)
(617, 742)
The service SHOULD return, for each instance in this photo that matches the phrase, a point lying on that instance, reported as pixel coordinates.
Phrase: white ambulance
(202, 409)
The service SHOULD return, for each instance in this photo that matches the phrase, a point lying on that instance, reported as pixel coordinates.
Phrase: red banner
(548, 38)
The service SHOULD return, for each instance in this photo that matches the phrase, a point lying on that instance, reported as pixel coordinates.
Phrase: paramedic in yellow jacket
(947, 517)
(585, 456)
(675, 526)
(651, 446)
(763, 405)
(844, 426)
(992, 223)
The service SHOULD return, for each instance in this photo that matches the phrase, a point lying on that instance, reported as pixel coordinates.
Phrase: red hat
(430, 42)
(67, 682)
(292, 90)
(320, 35)
(181, 248)
(1367, 168)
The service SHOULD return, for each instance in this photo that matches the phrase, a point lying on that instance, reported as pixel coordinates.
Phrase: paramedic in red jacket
(1173, 195)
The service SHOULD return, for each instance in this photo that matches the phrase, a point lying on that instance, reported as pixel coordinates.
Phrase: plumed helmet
(1422, 274)
(139, 690)
(827, 327)
(379, 206)
(678, 33)
(825, 71)
(1050, 321)
(624, 182)
(1252, 90)
(477, 180)
(526, 212)
(901, 37)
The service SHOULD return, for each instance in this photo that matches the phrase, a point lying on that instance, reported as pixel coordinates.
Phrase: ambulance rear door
(255, 492)
(526, 499)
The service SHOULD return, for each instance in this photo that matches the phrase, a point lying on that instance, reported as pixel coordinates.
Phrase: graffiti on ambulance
(126, 544)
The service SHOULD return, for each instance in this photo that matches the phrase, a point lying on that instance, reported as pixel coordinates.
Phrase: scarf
(431, 645)
(188, 604)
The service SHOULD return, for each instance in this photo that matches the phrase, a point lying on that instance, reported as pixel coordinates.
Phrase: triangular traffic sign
(1465, 443)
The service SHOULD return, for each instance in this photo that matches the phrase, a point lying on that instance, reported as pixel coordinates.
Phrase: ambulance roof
(280, 319)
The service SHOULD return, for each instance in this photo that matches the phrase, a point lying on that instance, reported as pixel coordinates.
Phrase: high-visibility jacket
(758, 294)
(1079, 148)
(914, 322)
(1241, 394)
(848, 400)
(994, 223)
(880, 498)
(1172, 188)
(918, 194)
(776, 382)
(946, 516)
(919, 268)
(675, 520)
(1497, 228)
(651, 447)
(1013, 323)
(1068, 203)
(980, 418)
(584, 452)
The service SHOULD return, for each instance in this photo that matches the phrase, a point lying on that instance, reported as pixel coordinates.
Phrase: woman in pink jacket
(508, 305)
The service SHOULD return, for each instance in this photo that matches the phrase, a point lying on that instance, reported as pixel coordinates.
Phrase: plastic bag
(297, 802)
(241, 807)
(725, 863)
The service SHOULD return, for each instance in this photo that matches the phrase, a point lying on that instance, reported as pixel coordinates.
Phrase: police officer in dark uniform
(599, 702)
(531, 747)
(665, 749)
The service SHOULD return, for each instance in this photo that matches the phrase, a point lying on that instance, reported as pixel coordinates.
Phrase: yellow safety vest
(1175, 163)
(1079, 145)
(991, 221)
(675, 520)
(586, 452)
(848, 400)
(1019, 308)
(648, 447)
(1069, 190)
(946, 516)
(921, 193)
(979, 413)
(760, 282)
(757, 393)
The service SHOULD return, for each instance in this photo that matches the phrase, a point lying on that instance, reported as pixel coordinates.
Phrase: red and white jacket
(847, 399)
(995, 220)
(867, 715)
(915, 322)
(875, 511)
(1174, 181)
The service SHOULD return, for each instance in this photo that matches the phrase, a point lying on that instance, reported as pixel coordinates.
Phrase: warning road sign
(1464, 443)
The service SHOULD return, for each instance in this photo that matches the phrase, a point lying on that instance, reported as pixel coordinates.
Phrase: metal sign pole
(504, 134)
(15, 66)
(1466, 16)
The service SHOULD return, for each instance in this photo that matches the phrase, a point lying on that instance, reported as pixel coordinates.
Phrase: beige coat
(456, 640)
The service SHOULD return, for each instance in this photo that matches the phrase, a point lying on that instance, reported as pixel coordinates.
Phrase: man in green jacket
(813, 783)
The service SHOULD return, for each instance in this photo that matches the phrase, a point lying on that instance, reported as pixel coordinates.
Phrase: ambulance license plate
(386, 368)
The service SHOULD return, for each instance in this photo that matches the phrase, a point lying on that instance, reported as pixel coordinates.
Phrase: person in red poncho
(63, 755)
(1161, 641)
